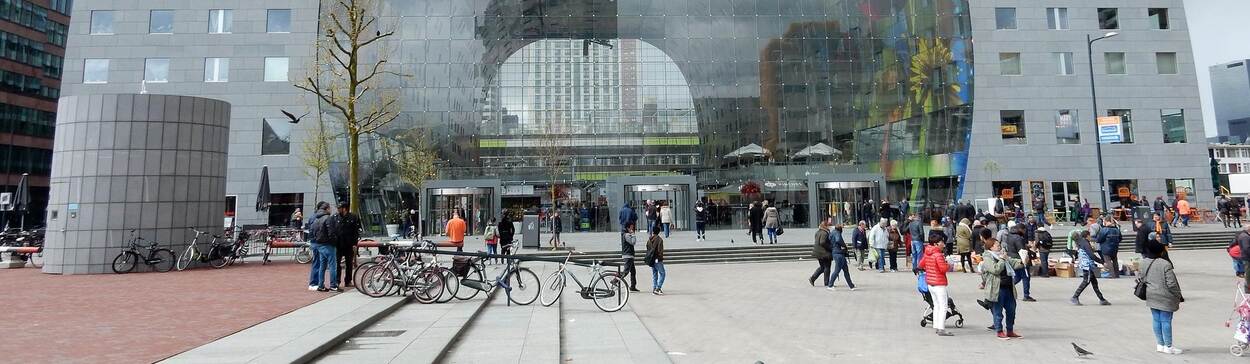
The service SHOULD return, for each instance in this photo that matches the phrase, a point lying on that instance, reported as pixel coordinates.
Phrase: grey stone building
(1230, 90)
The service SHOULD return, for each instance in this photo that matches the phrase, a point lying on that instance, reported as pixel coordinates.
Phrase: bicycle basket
(460, 265)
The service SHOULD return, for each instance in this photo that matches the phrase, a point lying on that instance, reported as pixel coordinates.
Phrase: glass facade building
(749, 97)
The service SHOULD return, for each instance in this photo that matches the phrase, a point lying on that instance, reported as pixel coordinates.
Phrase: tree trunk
(353, 171)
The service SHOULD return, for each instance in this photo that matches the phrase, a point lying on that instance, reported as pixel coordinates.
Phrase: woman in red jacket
(935, 267)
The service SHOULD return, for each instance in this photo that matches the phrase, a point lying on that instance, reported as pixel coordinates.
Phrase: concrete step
(590, 335)
(509, 334)
(296, 337)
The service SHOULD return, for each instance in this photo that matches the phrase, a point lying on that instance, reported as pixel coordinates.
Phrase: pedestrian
(557, 226)
(655, 259)
(1160, 227)
(1176, 209)
(653, 214)
(1234, 208)
(1222, 206)
(963, 245)
(997, 271)
(506, 231)
(935, 228)
(896, 240)
(755, 217)
(322, 243)
(456, 229)
(628, 242)
(837, 249)
(772, 221)
(491, 237)
(879, 238)
(1109, 239)
(935, 267)
(1160, 206)
(1085, 211)
(859, 240)
(915, 228)
(1044, 243)
(977, 227)
(1243, 241)
(1014, 244)
(823, 252)
(666, 217)
(1163, 297)
(297, 218)
(347, 233)
(1089, 270)
(700, 222)
(1182, 207)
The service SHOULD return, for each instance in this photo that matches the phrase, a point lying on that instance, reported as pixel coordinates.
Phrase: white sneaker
(1161, 348)
(1173, 350)
(312, 288)
(852, 289)
(831, 289)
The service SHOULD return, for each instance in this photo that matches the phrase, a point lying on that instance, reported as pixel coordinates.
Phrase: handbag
(780, 230)
(1140, 289)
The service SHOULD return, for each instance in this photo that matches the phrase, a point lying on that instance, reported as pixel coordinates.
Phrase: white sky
(1219, 34)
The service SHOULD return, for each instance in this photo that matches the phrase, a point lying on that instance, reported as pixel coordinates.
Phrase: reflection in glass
(275, 137)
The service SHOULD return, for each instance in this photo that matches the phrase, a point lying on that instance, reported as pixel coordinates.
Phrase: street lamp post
(1102, 180)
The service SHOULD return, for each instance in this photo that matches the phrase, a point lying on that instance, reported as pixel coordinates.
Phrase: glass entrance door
(841, 200)
(676, 196)
(476, 206)
(1065, 199)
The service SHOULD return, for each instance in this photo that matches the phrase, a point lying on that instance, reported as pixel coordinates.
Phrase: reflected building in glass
(825, 108)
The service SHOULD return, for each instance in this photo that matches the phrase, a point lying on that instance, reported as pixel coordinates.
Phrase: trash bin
(529, 231)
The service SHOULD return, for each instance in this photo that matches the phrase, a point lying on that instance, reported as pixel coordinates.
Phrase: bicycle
(402, 272)
(512, 278)
(160, 259)
(606, 289)
(214, 258)
(283, 237)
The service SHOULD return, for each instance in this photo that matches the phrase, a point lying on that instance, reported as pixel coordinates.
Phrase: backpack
(649, 259)
(1235, 250)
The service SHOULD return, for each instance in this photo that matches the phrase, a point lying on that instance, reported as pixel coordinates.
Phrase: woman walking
(896, 240)
(997, 271)
(772, 220)
(1087, 257)
(963, 245)
(666, 217)
(1163, 296)
(755, 217)
(491, 236)
(655, 259)
(837, 247)
(823, 253)
(505, 231)
(935, 266)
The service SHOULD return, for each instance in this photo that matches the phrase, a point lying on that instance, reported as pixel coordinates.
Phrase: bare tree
(316, 154)
(349, 76)
(553, 154)
(414, 157)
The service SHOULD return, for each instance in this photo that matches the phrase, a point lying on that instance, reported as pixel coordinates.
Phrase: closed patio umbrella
(263, 196)
(21, 198)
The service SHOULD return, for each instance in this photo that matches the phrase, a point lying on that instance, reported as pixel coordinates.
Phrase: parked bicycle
(160, 259)
(519, 283)
(401, 271)
(606, 289)
(283, 237)
(215, 256)
(25, 238)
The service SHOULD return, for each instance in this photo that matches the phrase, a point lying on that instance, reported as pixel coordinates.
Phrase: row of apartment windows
(1232, 153)
(1009, 63)
(33, 16)
(26, 121)
(220, 21)
(28, 85)
(156, 70)
(25, 51)
(1057, 18)
(1068, 126)
(18, 159)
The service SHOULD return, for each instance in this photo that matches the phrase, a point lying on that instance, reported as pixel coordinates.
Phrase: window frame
(269, 23)
(152, 20)
(1021, 135)
(1074, 118)
(216, 69)
(1176, 68)
(225, 21)
(1015, 24)
(1115, 17)
(112, 20)
(286, 73)
(85, 72)
(1057, 19)
(1019, 64)
(1163, 120)
(147, 68)
(1106, 57)
(1066, 65)
(1126, 124)
(1164, 22)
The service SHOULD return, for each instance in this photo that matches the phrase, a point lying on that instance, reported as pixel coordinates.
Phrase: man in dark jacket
(1109, 245)
(915, 228)
(755, 215)
(1160, 207)
(1044, 243)
(348, 234)
(1222, 206)
(822, 251)
(859, 238)
(505, 231)
(1014, 242)
(628, 241)
(1243, 240)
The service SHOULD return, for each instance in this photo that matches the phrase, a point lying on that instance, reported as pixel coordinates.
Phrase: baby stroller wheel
(959, 323)
(924, 323)
(1237, 350)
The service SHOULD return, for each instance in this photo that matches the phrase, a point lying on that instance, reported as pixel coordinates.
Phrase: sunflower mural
(927, 74)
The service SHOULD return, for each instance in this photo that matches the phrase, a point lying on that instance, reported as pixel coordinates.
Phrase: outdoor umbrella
(751, 150)
(820, 149)
(262, 196)
(21, 198)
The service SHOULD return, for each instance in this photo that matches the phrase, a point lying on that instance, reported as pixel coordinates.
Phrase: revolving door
(843, 201)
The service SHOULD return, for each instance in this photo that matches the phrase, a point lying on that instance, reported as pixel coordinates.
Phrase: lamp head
(1110, 34)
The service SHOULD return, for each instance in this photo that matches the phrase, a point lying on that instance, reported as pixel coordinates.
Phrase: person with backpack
(655, 259)
(347, 233)
(1089, 270)
(934, 266)
(1109, 245)
(322, 244)
(491, 237)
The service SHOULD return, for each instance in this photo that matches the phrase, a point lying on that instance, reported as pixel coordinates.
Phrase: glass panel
(278, 21)
(276, 137)
(1009, 64)
(1012, 125)
(1122, 193)
(161, 22)
(216, 69)
(282, 206)
(1181, 187)
(1166, 62)
(1115, 63)
(101, 22)
(1005, 18)
(1108, 18)
(95, 71)
(1064, 60)
(1057, 18)
(156, 70)
(1126, 124)
(1173, 126)
(276, 69)
(1067, 127)
(220, 21)
(1158, 18)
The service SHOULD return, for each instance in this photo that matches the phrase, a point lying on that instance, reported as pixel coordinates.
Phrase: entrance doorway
(676, 196)
(1065, 199)
(476, 205)
(842, 200)
(282, 206)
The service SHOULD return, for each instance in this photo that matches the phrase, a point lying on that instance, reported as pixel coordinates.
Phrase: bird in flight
(291, 117)
(1081, 352)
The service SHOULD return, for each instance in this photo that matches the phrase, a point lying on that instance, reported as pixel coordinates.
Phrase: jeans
(1044, 271)
(840, 266)
(1006, 306)
(1112, 260)
(699, 228)
(631, 271)
(917, 251)
(940, 296)
(324, 260)
(650, 225)
(1041, 220)
(1090, 279)
(1185, 220)
(491, 249)
(666, 229)
(881, 260)
(893, 259)
(657, 275)
(1162, 321)
(772, 235)
(1239, 267)
(1175, 218)
(824, 268)
(1022, 274)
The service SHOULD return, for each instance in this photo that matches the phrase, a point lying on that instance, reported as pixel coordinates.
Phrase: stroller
(951, 311)
(1241, 312)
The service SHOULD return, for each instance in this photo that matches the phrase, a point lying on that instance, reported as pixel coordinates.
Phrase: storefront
(842, 197)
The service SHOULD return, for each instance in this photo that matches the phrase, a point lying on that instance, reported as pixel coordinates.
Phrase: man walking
(1222, 206)
(879, 238)
(1109, 238)
(627, 218)
(348, 234)
(322, 245)
(1182, 208)
(455, 231)
(859, 239)
(1013, 244)
(916, 229)
(1088, 268)
(557, 226)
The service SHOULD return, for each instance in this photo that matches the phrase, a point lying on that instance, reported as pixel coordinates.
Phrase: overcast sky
(1220, 34)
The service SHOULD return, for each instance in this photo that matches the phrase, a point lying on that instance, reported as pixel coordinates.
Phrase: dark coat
(756, 217)
(1109, 240)
(505, 231)
(821, 249)
(859, 238)
(348, 233)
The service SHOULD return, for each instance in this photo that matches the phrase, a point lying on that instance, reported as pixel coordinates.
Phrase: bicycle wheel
(377, 281)
(427, 286)
(609, 292)
(162, 260)
(187, 257)
(303, 255)
(452, 286)
(525, 286)
(555, 287)
(125, 262)
(466, 292)
(359, 274)
(216, 259)
(36, 259)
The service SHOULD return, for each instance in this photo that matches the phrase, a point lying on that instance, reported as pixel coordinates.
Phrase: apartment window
(1158, 18)
(276, 69)
(156, 70)
(1173, 125)
(216, 69)
(1057, 18)
(1009, 64)
(1115, 63)
(220, 21)
(1005, 18)
(1126, 124)
(1166, 63)
(1067, 128)
(1064, 60)
(276, 137)
(95, 71)
(1108, 18)
(102, 22)
(161, 22)
(1011, 123)
(278, 21)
